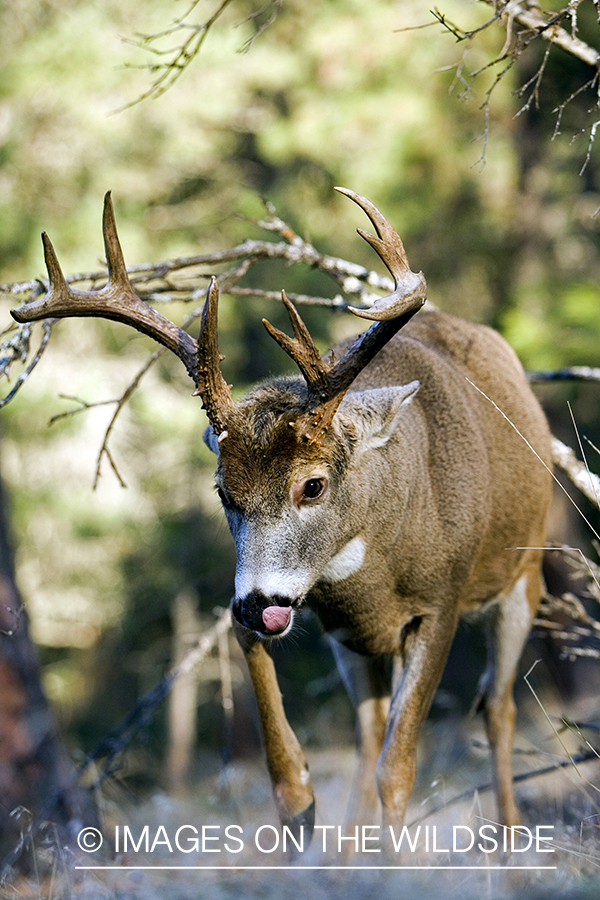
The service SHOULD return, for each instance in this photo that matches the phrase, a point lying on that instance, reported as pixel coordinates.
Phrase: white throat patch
(346, 562)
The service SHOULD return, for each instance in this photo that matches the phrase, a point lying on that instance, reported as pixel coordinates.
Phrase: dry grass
(453, 760)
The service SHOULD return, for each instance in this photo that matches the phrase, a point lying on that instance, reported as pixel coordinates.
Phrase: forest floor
(444, 853)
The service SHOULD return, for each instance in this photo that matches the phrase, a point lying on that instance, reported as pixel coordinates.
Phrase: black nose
(249, 611)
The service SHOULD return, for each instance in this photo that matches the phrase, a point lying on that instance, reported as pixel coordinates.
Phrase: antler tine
(216, 395)
(116, 300)
(326, 383)
(56, 280)
(411, 287)
(115, 261)
(388, 244)
(301, 348)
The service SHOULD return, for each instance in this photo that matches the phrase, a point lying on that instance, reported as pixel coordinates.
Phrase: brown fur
(391, 518)
(445, 507)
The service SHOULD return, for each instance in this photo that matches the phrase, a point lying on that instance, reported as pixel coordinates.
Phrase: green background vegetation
(331, 93)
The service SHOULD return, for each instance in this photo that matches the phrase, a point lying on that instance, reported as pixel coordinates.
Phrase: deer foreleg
(417, 672)
(368, 685)
(285, 760)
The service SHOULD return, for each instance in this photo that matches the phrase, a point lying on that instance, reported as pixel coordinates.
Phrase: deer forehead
(267, 460)
(266, 482)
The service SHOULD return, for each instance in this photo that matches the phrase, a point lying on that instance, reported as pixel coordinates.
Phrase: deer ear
(373, 415)
(211, 440)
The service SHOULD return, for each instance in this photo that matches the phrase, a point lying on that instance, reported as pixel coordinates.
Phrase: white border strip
(325, 868)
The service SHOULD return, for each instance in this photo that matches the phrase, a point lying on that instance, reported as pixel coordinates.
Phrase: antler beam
(326, 384)
(117, 300)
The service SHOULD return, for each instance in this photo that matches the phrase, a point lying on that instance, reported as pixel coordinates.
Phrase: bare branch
(262, 19)
(178, 57)
(187, 39)
(122, 401)
(550, 30)
(138, 718)
(487, 109)
(47, 330)
(574, 373)
(557, 735)
(534, 83)
(83, 406)
(183, 279)
(129, 390)
(353, 278)
(582, 478)
(112, 746)
(560, 763)
(537, 24)
(337, 302)
(562, 614)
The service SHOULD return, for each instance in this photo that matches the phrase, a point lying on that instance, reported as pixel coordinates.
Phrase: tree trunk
(37, 779)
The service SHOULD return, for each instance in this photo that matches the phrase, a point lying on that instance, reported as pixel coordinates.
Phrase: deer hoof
(302, 825)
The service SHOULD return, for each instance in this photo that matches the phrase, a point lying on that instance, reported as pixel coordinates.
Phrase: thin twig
(299, 252)
(576, 759)
(46, 332)
(537, 24)
(139, 717)
(550, 722)
(18, 614)
(104, 449)
(337, 302)
(154, 281)
(550, 30)
(272, 9)
(177, 58)
(84, 405)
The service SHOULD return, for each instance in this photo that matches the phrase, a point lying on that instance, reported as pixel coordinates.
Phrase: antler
(326, 383)
(117, 300)
(410, 287)
(216, 394)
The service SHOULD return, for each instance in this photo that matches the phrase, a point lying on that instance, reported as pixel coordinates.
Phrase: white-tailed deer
(384, 490)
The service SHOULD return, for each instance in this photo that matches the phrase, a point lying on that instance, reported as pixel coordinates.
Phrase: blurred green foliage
(330, 93)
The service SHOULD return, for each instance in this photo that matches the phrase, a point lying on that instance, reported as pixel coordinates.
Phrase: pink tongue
(276, 618)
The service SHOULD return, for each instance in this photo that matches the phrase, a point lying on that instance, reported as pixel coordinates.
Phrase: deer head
(284, 448)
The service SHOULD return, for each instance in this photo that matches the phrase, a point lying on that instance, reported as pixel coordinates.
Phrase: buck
(393, 490)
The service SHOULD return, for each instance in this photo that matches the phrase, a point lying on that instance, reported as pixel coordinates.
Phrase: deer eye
(306, 492)
(313, 488)
(223, 496)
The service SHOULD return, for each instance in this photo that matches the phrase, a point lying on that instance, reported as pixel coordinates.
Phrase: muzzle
(270, 616)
